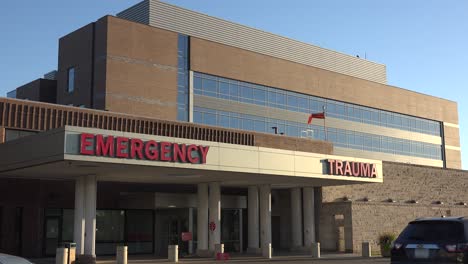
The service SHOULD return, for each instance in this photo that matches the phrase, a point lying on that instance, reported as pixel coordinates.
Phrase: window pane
(71, 79)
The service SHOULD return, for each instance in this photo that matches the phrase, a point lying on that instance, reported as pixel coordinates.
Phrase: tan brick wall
(453, 158)
(141, 70)
(75, 50)
(405, 182)
(452, 136)
(292, 143)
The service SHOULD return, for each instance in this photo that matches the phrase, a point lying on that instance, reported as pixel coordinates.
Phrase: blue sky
(424, 43)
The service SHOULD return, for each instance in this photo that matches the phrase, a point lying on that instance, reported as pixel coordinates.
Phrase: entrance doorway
(52, 234)
(275, 233)
(169, 225)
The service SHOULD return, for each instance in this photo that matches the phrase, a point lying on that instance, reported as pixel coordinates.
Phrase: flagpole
(324, 124)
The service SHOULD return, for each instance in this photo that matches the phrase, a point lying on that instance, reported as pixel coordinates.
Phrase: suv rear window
(434, 231)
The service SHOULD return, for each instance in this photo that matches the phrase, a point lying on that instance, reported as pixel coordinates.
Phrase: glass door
(231, 230)
(52, 234)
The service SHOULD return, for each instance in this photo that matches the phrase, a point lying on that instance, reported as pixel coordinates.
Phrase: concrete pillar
(309, 217)
(253, 223)
(79, 223)
(190, 243)
(90, 215)
(122, 255)
(202, 219)
(265, 220)
(366, 250)
(219, 248)
(296, 219)
(61, 256)
(215, 215)
(173, 253)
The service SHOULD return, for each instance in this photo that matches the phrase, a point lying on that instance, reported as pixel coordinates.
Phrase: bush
(385, 242)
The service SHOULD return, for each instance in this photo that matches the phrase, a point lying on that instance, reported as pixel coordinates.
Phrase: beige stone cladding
(437, 192)
(406, 182)
(372, 219)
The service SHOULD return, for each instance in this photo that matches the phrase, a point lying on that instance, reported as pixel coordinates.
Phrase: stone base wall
(405, 182)
(437, 192)
(334, 216)
(372, 219)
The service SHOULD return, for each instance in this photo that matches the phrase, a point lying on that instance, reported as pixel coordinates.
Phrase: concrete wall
(41, 90)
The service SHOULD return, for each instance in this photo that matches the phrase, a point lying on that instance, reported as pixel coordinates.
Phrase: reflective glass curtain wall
(237, 91)
(183, 78)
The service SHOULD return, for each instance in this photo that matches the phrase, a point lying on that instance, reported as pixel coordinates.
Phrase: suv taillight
(452, 248)
(396, 246)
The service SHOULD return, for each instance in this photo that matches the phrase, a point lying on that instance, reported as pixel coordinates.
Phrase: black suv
(432, 240)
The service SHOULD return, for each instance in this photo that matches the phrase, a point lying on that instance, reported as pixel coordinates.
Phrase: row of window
(182, 78)
(339, 137)
(238, 91)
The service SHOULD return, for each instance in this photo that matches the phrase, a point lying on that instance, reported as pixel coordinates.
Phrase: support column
(265, 220)
(309, 218)
(202, 220)
(79, 220)
(190, 243)
(296, 219)
(90, 215)
(215, 215)
(253, 223)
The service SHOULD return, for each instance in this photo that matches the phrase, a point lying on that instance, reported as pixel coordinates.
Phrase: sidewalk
(326, 258)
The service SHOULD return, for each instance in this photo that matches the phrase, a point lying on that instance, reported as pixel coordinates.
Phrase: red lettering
(203, 153)
(85, 143)
(122, 144)
(136, 147)
(180, 153)
(365, 169)
(347, 171)
(339, 167)
(151, 150)
(104, 147)
(355, 168)
(374, 171)
(191, 158)
(165, 150)
(330, 166)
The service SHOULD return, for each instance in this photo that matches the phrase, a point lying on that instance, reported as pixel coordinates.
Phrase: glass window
(209, 119)
(209, 87)
(259, 96)
(197, 83)
(110, 225)
(223, 120)
(223, 90)
(303, 104)
(197, 117)
(247, 124)
(234, 91)
(292, 103)
(71, 79)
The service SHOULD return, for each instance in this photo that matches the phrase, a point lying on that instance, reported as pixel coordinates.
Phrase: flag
(316, 115)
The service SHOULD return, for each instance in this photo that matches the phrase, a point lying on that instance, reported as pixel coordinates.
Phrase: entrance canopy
(70, 152)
